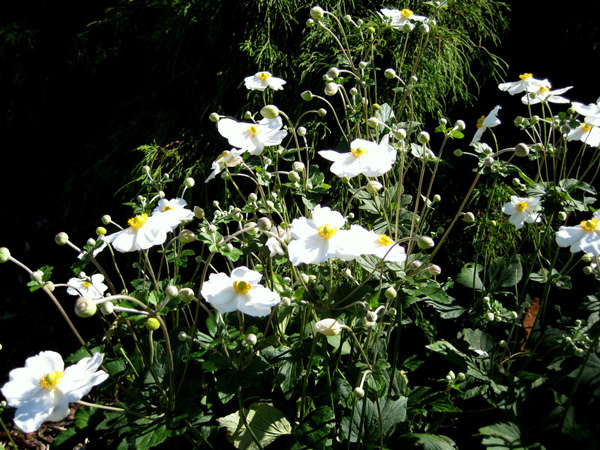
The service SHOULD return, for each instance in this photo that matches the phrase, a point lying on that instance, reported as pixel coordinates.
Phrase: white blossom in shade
(399, 18)
(274, 242)
(378, 244)
(43, 389)
(229, 158)
(526, 83)
(252, 137)
(328, 327)
(320, 238)
(522, 210)
(263, 80)
(90, 287)
(239, 292)
(143, 232)
(585, 133)
(485, 122)
(365, 157)
(173, 211)
(583, 237)
(591, 112)
(544, 95)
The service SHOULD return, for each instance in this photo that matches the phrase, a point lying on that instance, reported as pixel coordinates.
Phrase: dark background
(58, 126)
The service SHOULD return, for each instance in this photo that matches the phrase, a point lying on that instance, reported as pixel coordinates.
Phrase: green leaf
(471, 276)
(266, 423)
(393, 411)
(505, 436)
(428, 441)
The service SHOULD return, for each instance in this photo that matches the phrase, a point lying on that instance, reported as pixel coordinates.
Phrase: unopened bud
(186, 236)
(562, 216)
(298, 166)
(416, 264)
(460, 125)
(186, 294)
(189, 182)
(269, 112)
(468, 217)
(293, 177)
(301, 131)
(437, 198)
(251, 228)
(434, 270)
(264, 224)
(331, 88)
(307, 96)
(334, 72)
(172, 291)
(251, 339)
(586, 258)
(373, 122)
(214, 117)
(199, 212)
(107, 308)
(152, 324)
(458, 153)
(359, 393)
(389, 73)
(425, 242)
(61, 238)
(316, 12)
(488, 162)
(4, 255)
(521, 150)
(374, 186)
(85, 307)
(106, 219)
(423, 137)
(321, 112)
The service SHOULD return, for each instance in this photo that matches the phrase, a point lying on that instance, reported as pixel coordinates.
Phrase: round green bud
(85, 307)
(251, 339)
(353, 91)
(107, 308)
(307, 96)
(106, 219)
(182, 336)
(298, 166)
(374, 186)
(172, 291)
(376, 106)
(61, 238)
(437, 198)
(301, 131)
(521, 150)
(488, 162)
(579, 352)
(400, 134)
(316, 12)
(293, 176)
(423, 137)
(587, 270)
(518, 121)
(251, 228)
(186, 236)
(100, 231)
(4, 255)
(310, 23)
(370, 30)
(460, 125)
(416, 264)
(285, 301)
(562, 216)
(199, 213)
(214, 117)
(359, 392)
(186, 294)
(38, 276)
(389, 73)
(152, 324)
(334, 72)
(189, 182)
(468, 217)
(252, 197)
(321, 112)
(586, 258)
(331, 88)
(269, 112)
(434, 270)
(425, 242)
(373, 122)
(363, 65)
(458, 153)
(516, 181)
(264, 224)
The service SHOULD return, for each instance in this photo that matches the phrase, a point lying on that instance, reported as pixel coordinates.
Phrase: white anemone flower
(365, 157)
(328, 327)
(274, 242)
(252, 137)
(43, 389)
(229, 158)
(591, 112)
(485, 122)
(526, 83)
(90, 287)
(545, 95)
(380, 245)
(173, 211)
(239, 292)
(320, 238)
(583, 237)
(143, 232)
(400, 17)
(522, 210)
(585, 133)
(263, 80)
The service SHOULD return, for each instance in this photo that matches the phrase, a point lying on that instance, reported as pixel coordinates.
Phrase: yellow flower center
(585, 127)
(359, 152)
(327, 231)
(51, 380)
(524, 76)
(480, 122)
(589, 225)
(138, 221)
(86, 284)
(167, 208)
(254, 130)
(384, 240)
(222, 155)
(263, 75)
(522, 206)
(242, 287)
(406, 13)
(543, 90)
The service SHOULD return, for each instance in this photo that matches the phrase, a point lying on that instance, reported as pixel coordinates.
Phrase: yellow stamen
(138, 221)
(522, 206)
(51, 380)
(167, 208)
(480, 122)
(254, 130)
(327, 231)
(222, 155)
(543, 90)
(406, 13)
(384, 240)
(589, 225)
(263, 75)
(86, 284)
(524, 76)
(242, 287)
(585, 127)
(359, 152)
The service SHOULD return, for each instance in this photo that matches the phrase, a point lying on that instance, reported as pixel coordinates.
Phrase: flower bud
(416, 264)
(458, 153)
(400, 134)
(106, 219)
(461, 376)
(186, 236)
(305, 278)
(423, 137)
(321, 112)
(518, 120)
(251, 339)
(247, 115)
(389, 73)
(301, 131)
(107, 308)
(516, 181)
(359, 393)
(328, 327)
(252, 197)
(488, 162)
(182, 336)
(293, 177)
(152, 324)
(374, 186)
(214, 117)
(269, 112)
(91, 242)
(310, 23)
(199, 213)
(347, 18)
(373, 122)
(85, 307)
(562, 216)
(521, 150)
(408, 27)
(298, 166)
(4, 255)
(37, 276)
(425, 242)
(172, 291)
(251, 228)
(587, 270)
(424, 28)
(437, 198)
(212, 229)
(390, 293)
(285, 302)
(353, 91)
(61, 238)
(264, 224)
(586, 258)
(331, 88)
(460, 125)
(307, 96)
(186, 294)
(434, 270)
(50, 286)
(468, 217)
(334, 72)
(316, 12)
(189, 182)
